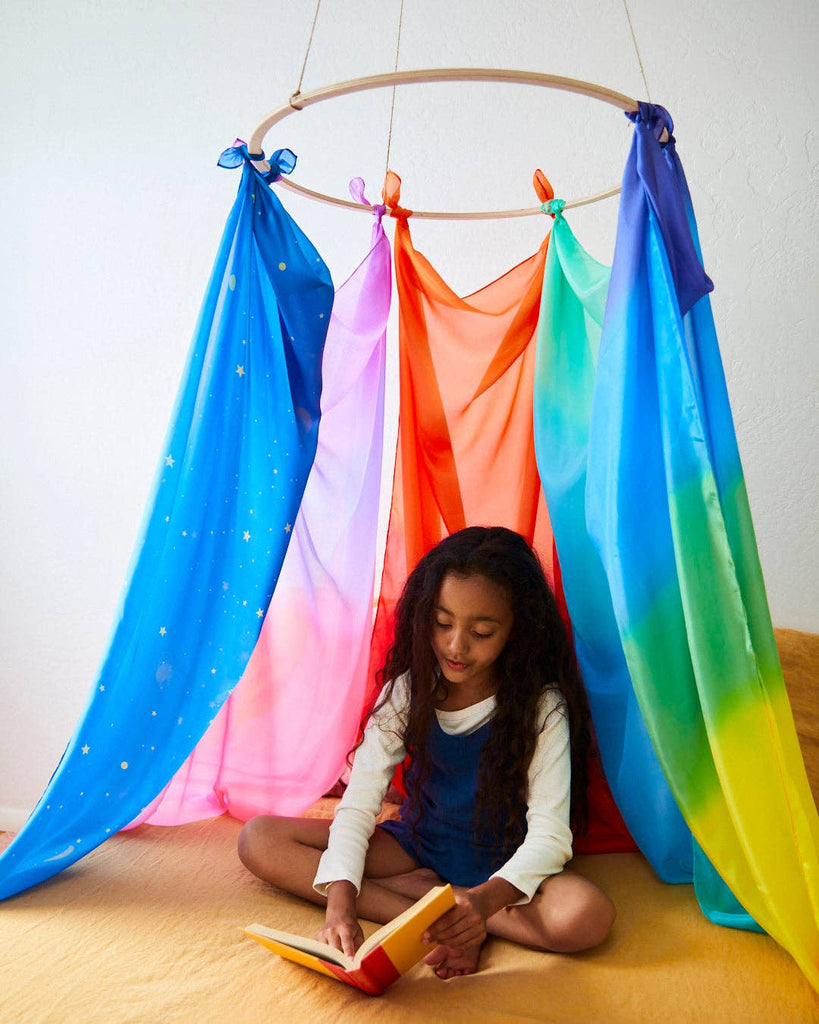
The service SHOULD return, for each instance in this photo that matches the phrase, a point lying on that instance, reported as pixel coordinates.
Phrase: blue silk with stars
(230, 480)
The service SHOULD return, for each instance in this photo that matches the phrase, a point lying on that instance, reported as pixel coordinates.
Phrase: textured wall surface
(112, 207)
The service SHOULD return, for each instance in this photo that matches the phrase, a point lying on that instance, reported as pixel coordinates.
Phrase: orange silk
(465, 453)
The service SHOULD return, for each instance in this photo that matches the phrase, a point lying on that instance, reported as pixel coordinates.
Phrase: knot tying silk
(543, 187)
(391, 194)
(283, 161)
(357, 186)
(554, 207)
(654, 180)
(654, 117)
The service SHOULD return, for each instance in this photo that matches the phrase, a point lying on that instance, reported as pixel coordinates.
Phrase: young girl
(481, 688)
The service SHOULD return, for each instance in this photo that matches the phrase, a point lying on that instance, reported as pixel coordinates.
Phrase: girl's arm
(341, 867)
(548, 843)
(341, 928)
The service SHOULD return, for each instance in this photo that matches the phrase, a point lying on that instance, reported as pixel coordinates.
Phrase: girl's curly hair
(538, 656)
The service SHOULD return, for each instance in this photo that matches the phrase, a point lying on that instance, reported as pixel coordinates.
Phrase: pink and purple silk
(281, 738)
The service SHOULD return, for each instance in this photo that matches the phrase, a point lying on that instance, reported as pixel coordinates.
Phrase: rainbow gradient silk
(667, 510)
(241, 443)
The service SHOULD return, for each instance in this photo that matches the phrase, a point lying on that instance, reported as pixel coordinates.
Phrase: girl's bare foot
(449, 962)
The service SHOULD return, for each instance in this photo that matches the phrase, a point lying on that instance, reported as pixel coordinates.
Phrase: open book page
(411, 924)
(313, 946)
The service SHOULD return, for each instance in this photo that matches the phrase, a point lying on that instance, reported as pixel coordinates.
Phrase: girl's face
(472, 622)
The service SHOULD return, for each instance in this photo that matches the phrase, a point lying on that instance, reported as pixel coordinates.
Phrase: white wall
(111, 205)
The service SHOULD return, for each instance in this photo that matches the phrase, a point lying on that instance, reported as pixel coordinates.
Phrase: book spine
(379, 968)
(358, 978)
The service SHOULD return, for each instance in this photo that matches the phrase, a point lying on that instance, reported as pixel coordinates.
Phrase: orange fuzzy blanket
(148, 928)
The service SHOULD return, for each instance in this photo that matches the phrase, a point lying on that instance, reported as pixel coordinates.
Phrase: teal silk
(575, 288)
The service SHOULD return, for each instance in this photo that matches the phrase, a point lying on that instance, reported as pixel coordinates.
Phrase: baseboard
(12, 819)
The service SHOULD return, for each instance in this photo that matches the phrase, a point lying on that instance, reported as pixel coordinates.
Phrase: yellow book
(383, 957)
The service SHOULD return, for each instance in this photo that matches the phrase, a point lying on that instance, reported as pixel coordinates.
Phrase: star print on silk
(244, 763)
(187, 550)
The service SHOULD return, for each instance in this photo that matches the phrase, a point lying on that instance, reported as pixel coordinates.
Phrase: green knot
(554, 207)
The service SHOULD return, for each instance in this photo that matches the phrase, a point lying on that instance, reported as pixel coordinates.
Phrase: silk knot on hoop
(282, 161)
(357, 186)
(391, 195)
(554, 207)
(654, 119)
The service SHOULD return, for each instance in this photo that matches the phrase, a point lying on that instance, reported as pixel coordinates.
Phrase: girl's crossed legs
(568, 913)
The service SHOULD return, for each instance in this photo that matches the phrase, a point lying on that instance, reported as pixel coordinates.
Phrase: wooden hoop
(300, 100)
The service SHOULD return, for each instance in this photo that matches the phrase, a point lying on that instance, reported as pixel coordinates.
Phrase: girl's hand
(462, 927)
(341, 928)
(344, 934)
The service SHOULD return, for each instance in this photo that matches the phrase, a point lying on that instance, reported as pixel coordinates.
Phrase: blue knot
(654, 117)
(554, 207)
(283, 161)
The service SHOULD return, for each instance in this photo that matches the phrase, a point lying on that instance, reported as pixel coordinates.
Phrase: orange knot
(391, 194)
(543, 187)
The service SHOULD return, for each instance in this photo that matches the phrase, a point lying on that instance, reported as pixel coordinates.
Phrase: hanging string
(307, 51)
(637, 50)
(392, 102)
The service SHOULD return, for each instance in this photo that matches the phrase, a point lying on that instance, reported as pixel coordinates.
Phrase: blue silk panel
(229, 484)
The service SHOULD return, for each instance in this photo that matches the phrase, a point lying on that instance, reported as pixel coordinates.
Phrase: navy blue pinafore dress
(445, 837)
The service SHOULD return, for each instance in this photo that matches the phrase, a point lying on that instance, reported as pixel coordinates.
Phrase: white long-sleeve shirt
(548, 842)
